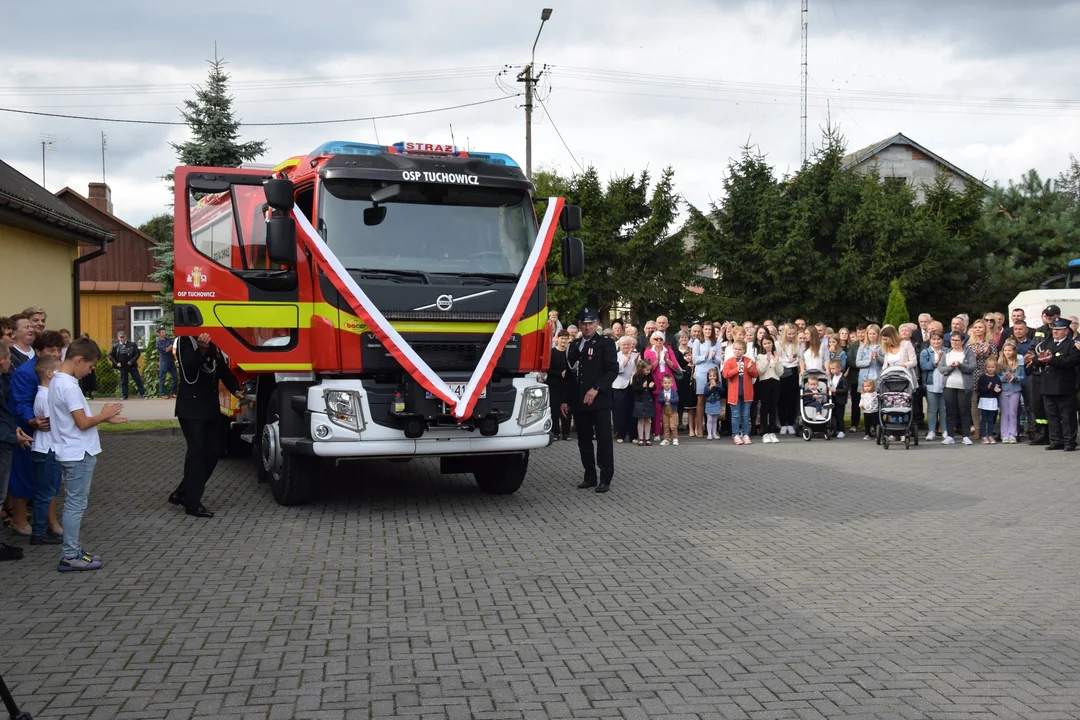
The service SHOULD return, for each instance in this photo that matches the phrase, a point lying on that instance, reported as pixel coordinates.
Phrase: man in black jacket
(125, 357)
(595, 359)
(1039, 339)
(1058, 358)
(198, 408)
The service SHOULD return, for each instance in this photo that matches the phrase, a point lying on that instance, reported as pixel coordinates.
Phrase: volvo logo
(446, 302)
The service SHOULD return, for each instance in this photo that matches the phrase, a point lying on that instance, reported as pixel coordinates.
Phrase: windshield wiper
(483, 275)
(382, 274)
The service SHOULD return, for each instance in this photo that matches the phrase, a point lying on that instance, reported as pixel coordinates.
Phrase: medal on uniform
(590, 352)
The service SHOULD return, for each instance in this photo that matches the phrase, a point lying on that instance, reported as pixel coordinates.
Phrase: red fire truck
(375, 302)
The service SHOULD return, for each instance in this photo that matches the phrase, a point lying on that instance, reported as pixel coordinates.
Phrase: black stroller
(896, 396)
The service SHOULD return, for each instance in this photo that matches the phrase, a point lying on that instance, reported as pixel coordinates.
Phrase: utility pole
(530, 77)
(104, 145)
(805, 75)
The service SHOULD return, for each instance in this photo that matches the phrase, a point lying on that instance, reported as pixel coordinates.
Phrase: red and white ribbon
(401, 351)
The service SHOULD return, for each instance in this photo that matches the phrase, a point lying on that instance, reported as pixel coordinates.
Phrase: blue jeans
(987, 422)
(47, 477)
(935, 412)
(166, 370)
(740, 418)
(77, 477)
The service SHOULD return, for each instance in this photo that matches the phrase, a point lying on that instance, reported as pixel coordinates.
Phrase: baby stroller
(896, 393)
(810, 421)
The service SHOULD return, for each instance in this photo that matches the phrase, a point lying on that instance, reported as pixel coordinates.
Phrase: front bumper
(330, 439)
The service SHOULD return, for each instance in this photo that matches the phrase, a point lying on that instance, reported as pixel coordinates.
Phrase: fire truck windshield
(433, 228)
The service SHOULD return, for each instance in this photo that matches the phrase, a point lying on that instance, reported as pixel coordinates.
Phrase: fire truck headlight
(343, 408)
(534, 404)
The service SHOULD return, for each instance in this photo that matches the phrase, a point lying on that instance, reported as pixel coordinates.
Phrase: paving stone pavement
(806, 580)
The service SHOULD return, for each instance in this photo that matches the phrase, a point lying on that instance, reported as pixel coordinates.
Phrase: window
(144, 324)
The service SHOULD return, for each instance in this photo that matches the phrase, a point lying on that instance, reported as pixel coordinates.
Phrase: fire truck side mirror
(279, 193)
(281, 240)
(573, 257)
(570, 220)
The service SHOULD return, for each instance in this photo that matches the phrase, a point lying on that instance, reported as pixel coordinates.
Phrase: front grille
(449, 356)
(437, 315)
(442, 352)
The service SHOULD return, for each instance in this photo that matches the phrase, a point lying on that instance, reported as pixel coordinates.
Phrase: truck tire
(291, 477)
(502, 474)
(295, 484)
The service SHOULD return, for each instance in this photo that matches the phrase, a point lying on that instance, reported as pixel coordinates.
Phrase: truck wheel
(502, 474)
(236, 446)
(291, 476)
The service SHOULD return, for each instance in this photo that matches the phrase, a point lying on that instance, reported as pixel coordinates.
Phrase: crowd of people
(978, 381)
(48, 435)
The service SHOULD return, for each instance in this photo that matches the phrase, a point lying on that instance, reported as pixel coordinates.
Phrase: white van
(1062, 290)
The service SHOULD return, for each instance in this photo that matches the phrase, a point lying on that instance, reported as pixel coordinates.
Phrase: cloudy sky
(990, 85)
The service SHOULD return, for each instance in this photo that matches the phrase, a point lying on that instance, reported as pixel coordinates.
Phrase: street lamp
(530, 81)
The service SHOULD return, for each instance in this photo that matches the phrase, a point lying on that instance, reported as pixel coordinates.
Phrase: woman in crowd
(623, 411)
(958, 367)
(934, 382)
(897, 352)
(790, 353)
(982, 347)
(559, 386)
(684, 384)
(870, 357)
(767, 394)
(664, 364)
(812, 359)
(706, 355)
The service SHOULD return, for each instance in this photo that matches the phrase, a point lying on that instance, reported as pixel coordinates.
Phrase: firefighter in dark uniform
(1058, 358)
(198, 408)
(596, 365)
(1038, 434)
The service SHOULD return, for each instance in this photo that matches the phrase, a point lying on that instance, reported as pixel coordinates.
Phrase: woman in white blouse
(897, 351)
(623, 408)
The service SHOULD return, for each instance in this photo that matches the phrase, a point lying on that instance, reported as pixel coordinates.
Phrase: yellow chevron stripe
(255, 314)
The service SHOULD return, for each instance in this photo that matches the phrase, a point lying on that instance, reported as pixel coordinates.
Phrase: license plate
(458, 389)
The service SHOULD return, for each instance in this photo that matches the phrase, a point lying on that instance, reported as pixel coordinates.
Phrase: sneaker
(840, 435)
(948, 441)
(967, 440)
(985, 440)
(665, 442)
(10, 552)
(675, 442)
(83, 562)
(619, 441)
(868, 437)
(736, 439)
(853, 429)
(746, 440)
(819, 417)
(828, 406)
(993, 441)
(930, 436)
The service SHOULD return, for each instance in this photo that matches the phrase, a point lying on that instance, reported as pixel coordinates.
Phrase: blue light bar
(1074, 263)
(495, 158)
(340, 147)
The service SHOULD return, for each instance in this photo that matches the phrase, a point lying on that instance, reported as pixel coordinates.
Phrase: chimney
(100, 196)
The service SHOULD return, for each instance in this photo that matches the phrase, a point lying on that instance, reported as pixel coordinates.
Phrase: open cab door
(255, 307)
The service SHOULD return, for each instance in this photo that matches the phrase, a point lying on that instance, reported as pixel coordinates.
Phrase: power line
(548, 113)
(260, 124)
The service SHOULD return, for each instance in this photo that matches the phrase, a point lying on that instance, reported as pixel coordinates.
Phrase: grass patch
(138, 426)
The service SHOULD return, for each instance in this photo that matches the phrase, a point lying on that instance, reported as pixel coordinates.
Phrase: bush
(896, 313)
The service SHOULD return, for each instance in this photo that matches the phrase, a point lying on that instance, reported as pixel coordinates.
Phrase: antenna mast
(805, 75)
(48, 143)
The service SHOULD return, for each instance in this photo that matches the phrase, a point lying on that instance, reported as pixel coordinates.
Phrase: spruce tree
(896, 313)
(214, 142)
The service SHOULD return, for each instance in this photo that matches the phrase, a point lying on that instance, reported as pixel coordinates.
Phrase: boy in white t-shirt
(74, 439)
(47, 472)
